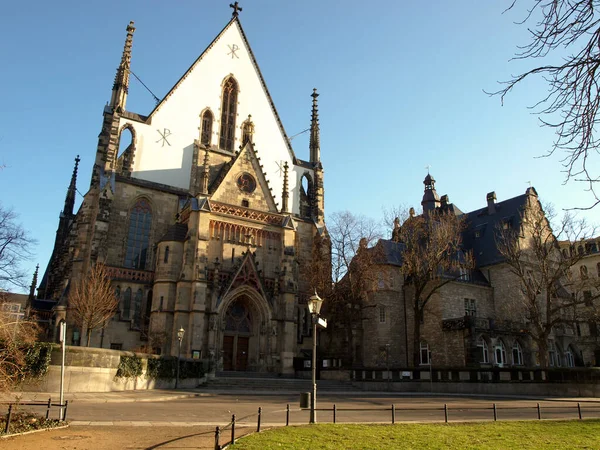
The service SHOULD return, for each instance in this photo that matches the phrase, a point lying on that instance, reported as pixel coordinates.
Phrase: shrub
(129, 367)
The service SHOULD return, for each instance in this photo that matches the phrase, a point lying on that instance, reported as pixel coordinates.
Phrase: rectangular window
(382, 314)
(114, 346)
(425, 354)
(470, 307)
(593, 328)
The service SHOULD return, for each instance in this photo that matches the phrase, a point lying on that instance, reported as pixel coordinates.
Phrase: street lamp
(314, 306)
(179, 338)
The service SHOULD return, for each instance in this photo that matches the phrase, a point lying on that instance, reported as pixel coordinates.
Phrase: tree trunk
(417, 337)
(542, 344)
(88, 333)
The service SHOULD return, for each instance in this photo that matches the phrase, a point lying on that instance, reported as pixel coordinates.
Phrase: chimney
(491, 202)
(445, 201)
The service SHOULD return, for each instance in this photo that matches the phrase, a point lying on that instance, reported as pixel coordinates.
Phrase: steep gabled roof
(480, 235)
(234, 20)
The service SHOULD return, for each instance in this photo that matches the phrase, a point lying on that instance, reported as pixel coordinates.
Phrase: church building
(204, 220)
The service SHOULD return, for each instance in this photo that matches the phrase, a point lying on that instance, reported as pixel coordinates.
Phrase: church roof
(176, 232)
(234, 20)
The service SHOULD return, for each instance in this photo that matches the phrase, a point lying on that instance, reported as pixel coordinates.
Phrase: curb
(5, 436)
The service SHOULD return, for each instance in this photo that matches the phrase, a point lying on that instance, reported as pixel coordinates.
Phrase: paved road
(217, 409)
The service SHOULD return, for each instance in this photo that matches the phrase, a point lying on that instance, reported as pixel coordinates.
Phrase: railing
(48, 405)
(492, 412)
(123, 273)
(480, 323)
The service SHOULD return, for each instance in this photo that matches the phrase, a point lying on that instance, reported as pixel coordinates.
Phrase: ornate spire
(285, 193)
(33, 284)
(396, 230)
(70, 199)
(315, 145)
(121, 84)
(236, 9)
(205, 173)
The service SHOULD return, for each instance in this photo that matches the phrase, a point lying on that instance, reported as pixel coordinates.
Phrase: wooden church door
(236, 340)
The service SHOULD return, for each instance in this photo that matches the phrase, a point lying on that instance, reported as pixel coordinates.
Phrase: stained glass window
(228, 113)
(140, 223)
(207, 121)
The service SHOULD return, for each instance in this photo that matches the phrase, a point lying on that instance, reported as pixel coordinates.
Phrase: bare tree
(15, 249)
(343, 270)
(549, 294)
(432, 256)
(16, 337)
(564, 45)
(92, 301)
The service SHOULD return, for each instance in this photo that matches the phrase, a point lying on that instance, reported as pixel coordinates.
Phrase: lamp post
(179, 338)
(314, 306)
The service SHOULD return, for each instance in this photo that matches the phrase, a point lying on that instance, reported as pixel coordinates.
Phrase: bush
(37, 360)
(129, 367)
(166, 369)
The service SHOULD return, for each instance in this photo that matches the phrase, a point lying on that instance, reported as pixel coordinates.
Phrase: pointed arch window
(137, 308)
(126, 304)
(228, 113)
(517, 354)
(138, 238)
(166, 258)
(207, 121)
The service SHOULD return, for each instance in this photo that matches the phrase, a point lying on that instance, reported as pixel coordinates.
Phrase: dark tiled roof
(392, 252)
(480, 235)
(176, 232)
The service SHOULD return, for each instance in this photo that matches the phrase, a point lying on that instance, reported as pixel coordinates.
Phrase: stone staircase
(249, 382)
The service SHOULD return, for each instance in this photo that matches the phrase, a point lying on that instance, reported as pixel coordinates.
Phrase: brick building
(473, 321)
(202, 213)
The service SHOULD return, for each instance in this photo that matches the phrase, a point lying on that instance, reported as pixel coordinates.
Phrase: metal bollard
(495, 413)
(8, 416)
(64, 415)
(233, 429)
(334, 411)
(48, 408)
(539, 411)
(217, 438)
(446, 412)
(579, 410)
(393, 414)
(258, 424)
(287, 415)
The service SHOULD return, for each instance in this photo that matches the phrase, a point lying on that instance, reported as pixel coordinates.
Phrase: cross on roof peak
(236, 9)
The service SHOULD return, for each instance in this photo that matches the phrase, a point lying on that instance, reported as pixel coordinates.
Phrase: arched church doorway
(237, 335)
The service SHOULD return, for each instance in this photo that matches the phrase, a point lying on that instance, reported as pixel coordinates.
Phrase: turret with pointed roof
(431, 200)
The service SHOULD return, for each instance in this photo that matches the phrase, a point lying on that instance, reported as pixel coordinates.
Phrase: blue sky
(401, 87)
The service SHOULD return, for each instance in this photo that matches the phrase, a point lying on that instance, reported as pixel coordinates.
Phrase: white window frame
(424, 347)
(482, 344)
(519, 351)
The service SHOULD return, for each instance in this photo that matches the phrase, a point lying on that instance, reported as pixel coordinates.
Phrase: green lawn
(495, 435)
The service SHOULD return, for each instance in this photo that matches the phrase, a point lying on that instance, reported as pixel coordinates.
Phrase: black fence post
(233, 429)
(8, 416)
(579, 410)
(217, 438)
(446, 412)
(393, 414)
(287, 415)
(539, 411)
(48, 408)
(334, 411)
(64, 415)
(495, 413)
(258, 424)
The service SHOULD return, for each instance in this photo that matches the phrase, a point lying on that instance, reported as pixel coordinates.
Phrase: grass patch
(495, 435)
(22, 421)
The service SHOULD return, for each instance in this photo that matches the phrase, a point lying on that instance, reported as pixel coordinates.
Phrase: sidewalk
(163, 395)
